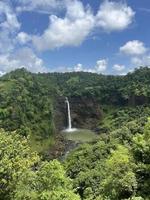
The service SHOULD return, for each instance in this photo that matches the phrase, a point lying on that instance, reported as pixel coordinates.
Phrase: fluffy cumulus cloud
(138, 52)
(70, 27)
(78, 67)
(141, 61)
(68, 31)
(8, 19)
(134, 47)
(118, 68)
(6, 42)
(23, 38)
(114, 16)
(23, 58)
(79, 22)
(101, 65)
(10, 58)
(9, 25)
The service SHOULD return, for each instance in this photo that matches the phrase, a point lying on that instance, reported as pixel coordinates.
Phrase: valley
(105, 157)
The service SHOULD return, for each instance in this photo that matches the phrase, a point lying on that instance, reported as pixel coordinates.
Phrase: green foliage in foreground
(15, 158)
(115, 168)
(23, 176)
(49, 182)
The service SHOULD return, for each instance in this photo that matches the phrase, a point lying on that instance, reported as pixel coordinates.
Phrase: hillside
(32, 103)
(116, 166)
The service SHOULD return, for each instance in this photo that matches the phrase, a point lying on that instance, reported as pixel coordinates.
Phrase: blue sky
(100, 36)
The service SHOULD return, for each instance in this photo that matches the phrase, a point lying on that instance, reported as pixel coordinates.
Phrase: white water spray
(69, 129)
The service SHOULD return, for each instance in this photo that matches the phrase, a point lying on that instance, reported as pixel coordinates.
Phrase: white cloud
(138, 53)
(78, 67)
(79, 22)
(114, 16)
(9, 25)
(23, 38)
(134, 47)
(71, 29)
(141, 61)
(10, 58)
(10, 21)
(118, 68)
(43, 6)
(68, 31)
(136, 61)
(6, 42)
(101, 65)
(124, 73)
(22, 58)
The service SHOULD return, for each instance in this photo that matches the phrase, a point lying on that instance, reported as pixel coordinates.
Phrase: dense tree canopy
(24, 176)
(116, 167)
(15, 158)
(27, 100)
(49, 182)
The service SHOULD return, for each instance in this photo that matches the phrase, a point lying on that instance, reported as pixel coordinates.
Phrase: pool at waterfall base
(80, 135)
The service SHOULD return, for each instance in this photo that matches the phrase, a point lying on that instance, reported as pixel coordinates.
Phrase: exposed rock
(85, 112)
(60, 119)
(60, 149)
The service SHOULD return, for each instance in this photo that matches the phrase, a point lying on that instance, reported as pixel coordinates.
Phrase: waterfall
(69, 114)
(69, 129)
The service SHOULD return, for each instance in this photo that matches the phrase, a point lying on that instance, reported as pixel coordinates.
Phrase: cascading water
(69, 129)
(69, 114)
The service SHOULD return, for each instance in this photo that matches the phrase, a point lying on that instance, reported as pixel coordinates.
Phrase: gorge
(111, 117)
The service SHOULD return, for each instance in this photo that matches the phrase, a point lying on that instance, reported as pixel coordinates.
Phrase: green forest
(115, 166)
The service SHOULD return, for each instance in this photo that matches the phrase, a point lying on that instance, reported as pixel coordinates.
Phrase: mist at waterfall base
(69, 129)
(79, 135)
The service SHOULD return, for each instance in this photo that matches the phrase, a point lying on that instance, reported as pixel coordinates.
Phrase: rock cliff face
(60, 113)
(85, 112)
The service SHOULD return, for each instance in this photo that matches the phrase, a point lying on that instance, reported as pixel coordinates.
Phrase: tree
(48, 183)
(120, 180)
(141, 151)
(15, 158)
